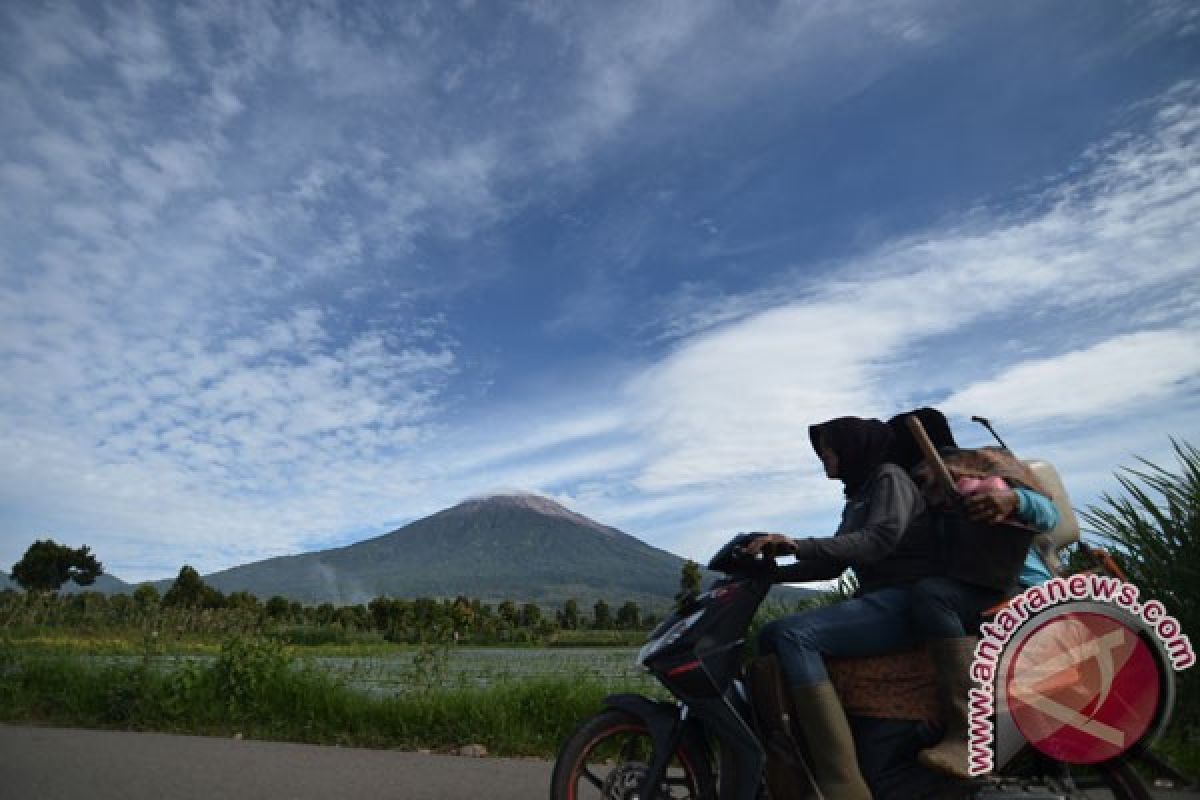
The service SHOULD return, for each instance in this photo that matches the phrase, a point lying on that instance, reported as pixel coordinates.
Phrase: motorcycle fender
(661, 718)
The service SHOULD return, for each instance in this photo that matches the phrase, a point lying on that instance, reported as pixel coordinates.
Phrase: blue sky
(281, 277)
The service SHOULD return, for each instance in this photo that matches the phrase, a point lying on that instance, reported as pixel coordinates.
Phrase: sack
(788, 773)
(988, 555)
(984, 555)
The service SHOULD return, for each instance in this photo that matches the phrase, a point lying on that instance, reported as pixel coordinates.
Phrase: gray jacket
(885, 536)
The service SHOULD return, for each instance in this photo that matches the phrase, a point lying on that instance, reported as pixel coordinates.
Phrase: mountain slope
(520, 547)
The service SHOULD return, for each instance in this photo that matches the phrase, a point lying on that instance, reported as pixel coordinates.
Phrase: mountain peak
(527, 501)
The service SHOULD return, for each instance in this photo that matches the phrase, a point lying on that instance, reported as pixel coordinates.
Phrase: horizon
(275, 277)
(514, 494)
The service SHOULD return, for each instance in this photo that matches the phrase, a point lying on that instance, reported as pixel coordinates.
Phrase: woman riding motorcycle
(886, 537)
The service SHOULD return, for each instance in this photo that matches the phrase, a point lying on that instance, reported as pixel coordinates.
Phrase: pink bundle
(968, 485)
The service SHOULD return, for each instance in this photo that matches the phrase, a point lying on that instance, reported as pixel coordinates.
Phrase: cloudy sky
(281, 277)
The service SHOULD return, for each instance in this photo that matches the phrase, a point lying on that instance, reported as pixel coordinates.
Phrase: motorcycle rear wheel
(1119, 778)
(607, 758)
(1113, 780)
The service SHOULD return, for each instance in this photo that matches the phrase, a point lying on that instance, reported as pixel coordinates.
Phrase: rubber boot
(952, 659)
(828, 742)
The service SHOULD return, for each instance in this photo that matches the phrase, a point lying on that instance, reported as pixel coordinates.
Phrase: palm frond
(1154, 528)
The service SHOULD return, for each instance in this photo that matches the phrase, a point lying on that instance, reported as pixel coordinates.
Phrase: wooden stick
(941, 471)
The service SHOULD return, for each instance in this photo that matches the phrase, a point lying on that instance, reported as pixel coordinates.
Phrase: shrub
(1155, 528)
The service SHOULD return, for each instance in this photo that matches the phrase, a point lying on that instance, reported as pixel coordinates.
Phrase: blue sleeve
(1034, 571)
(1036, 509)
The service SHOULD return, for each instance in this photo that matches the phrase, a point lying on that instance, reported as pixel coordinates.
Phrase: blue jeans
(876, 623)
(943, 608)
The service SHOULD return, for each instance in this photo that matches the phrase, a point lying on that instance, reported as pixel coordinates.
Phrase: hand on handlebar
(771, 544)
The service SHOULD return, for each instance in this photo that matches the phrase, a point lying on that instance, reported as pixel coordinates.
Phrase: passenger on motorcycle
(946, 609)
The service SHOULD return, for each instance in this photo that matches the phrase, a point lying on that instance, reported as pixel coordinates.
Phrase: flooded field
(411, 669)
(478, 667)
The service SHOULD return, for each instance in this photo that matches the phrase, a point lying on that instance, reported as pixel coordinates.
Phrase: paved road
(66, 764)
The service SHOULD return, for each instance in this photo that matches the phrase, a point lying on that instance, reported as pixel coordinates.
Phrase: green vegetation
(47, 565)
(191, 614)
(1154, 530)
(252, 687)
(596, 638)
(197, 661)
(690, 581)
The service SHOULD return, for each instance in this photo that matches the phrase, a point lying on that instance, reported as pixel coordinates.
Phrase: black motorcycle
(707, 745)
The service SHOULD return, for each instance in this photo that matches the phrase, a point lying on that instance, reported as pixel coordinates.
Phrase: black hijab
(905, 453)
(861, 445)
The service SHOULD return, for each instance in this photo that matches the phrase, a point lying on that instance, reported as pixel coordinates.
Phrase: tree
(146, 596)
(601, 616)
(507, 611)
(277, 607)
(568, 618)
(689, 582)
(47, 565)
(629, 616)
(531, 615)
(189, 591)
(243, 601)
(352, 617)
(461, 614)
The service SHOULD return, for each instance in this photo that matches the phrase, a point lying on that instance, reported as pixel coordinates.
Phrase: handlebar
(735, 557)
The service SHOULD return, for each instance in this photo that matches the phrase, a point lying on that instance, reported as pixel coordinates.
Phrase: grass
(253, 687)
(300, 642)
(256, 688)
(591, 638)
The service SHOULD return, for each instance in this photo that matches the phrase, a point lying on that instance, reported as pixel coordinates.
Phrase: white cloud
(733, 404)
(544, 475)
(69, 158)
(87, 221)
(1106, 380)
(541, 436)
(637, 59)
(23, 178)
(143, 54)
(64, 38)
(246, 447)
(182, 363)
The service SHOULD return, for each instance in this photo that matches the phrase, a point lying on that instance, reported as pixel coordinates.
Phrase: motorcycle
(707, 744)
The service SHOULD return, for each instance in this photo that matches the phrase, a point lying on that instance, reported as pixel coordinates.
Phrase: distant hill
(521, 547)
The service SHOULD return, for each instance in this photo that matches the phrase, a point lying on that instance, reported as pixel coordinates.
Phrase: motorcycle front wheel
(607, 759)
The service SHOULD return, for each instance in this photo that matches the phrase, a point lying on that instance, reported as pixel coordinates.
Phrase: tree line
(192, 606)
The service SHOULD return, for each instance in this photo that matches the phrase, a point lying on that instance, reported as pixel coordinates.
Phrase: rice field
(411, 669)
(485, 667)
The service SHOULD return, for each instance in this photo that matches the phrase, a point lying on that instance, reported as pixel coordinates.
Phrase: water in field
(410, 669)
(478, 667)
